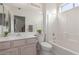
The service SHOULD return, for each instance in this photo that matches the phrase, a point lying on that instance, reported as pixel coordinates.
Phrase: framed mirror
(2, 21)
(5, 20)
(19, 23)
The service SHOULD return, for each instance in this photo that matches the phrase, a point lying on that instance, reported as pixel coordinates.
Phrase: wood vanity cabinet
(19, 47)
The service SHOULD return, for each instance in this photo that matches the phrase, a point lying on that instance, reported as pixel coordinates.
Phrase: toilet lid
(45, 44)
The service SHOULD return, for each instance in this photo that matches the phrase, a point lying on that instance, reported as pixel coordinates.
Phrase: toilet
(46, 48)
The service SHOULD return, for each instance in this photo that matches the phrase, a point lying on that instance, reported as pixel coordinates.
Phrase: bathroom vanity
(18, 45)
(14, 22)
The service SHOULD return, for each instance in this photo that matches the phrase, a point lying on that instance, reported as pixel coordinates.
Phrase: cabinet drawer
(31, 41)
(13, 51)
(4, 45)
(18, 43)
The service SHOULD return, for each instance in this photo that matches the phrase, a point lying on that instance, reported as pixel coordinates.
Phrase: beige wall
(33, 17)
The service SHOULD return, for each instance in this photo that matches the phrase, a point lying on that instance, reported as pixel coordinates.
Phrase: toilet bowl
(45, 48)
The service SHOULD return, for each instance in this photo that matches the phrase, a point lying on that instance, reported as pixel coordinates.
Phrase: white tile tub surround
(71, 36)
(69, 32)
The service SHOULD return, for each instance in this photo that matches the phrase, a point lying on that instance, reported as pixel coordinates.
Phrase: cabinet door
(18, 43)
(29, 50)
(4, 45)
(13, 51)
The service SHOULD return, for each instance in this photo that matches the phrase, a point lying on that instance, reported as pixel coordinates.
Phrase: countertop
(10, 38)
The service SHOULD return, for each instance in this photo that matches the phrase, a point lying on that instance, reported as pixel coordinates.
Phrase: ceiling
(34, 6)
(51, 6)
(25, 5)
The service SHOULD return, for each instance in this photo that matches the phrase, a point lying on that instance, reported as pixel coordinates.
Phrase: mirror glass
(19, 24)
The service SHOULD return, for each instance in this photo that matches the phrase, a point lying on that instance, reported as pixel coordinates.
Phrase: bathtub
(65, 47)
